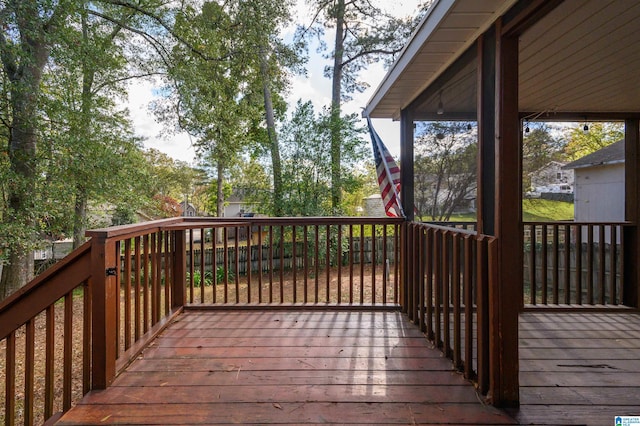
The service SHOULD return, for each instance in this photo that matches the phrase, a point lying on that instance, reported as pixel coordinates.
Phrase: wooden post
(179, 279)
(631, 234)
(505, 290)
(486, 83)
(104, 297)
(407, 199)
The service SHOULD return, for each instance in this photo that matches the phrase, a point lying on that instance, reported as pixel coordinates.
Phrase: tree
(598, 135)
(363, 34)
(306, 138)
(539, 147)
(445, 168)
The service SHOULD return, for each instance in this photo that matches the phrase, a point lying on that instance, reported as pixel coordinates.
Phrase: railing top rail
(449, 229)
(571, 222)
(45, 289)
(134, 230)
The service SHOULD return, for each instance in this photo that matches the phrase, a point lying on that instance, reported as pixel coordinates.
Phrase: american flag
(388, 175)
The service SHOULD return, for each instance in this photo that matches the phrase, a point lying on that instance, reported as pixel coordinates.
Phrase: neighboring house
(188, 209)
(373, 206)
(600, 186)
(236, 206)
(551, 175)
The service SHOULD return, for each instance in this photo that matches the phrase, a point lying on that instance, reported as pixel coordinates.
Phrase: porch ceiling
(582, 59)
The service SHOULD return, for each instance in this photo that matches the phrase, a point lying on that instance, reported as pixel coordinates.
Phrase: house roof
(612, 154)
(581, 57)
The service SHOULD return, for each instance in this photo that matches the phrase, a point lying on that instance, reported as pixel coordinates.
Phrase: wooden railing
(77, 325)
(294, 260)
(449, 274)
(572, 263)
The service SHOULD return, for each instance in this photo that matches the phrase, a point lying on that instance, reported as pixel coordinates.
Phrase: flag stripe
(388, 175)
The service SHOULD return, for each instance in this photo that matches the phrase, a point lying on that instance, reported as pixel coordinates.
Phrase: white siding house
(599, 185)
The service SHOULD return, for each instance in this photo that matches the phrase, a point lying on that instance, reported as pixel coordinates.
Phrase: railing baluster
(136, 277)
(10, 380)
(29, 368)
(567, 264)
(396, 262)
(455, 283)
(483, 315)
(446, 276)
(305, 262)
(601, 261)
(362, 263)
(532, 267)
(294, 264)
(420, 279)
(203, 262)
(590, 264)
(236, 262)
(127, 294)
(351, 263)
(86, 338)
(260, 270)
(118, 296)
(147, 253)
(281, 264)
(429, 262)
(578, 298)
(468, 307)
(49, 377)
(543, 264)
(225, 269)
(316, 263)
(614, 251)
(385, 265)
(271, 264)
(68, 351)
(339, 262)
(556, 263)
(328, 262)
(374, 242)
(249, 257)
(437, 284)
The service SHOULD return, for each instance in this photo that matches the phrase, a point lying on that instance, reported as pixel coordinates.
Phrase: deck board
(578, 368)
(279, 367)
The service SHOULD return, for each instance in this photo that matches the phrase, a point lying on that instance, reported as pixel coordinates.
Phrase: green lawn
(534, 210)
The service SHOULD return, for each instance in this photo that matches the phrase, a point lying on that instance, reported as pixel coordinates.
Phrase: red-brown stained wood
(49, 361)
(289, 367)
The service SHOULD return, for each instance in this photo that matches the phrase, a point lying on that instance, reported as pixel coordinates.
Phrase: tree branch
(118, 80)
(370, 52)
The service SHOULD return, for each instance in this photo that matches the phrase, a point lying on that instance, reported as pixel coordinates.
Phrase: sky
(314, 86)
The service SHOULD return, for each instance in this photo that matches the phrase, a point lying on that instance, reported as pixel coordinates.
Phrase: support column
(505, 291)
(486, 84)
(407, 199)
(631, 234)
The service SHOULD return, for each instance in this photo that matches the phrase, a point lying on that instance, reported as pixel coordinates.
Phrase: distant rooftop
(612, 154)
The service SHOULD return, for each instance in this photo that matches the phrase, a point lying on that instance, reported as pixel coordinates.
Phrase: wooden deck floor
(288, 367)
(578, 368)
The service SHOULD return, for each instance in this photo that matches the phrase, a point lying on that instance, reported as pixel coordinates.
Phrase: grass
(533, 210)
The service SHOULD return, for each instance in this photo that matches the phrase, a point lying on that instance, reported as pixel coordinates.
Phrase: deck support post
(179, 279)
(631, 234)
(407, 200)
(505, 289)
(105, 296)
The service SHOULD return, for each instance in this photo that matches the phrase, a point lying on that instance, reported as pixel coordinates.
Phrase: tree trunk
(219, 192)
(336, 138)
(25, 76)
(276, 162)
(80, 215)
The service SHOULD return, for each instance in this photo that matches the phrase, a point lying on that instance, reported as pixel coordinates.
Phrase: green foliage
(581, 143)
(539, 147)
(445, 168)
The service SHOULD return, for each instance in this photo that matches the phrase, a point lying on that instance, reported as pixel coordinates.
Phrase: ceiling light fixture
(440, 106)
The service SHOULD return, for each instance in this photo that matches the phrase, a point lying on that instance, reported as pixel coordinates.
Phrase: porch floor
(579, 368)
(288, 367)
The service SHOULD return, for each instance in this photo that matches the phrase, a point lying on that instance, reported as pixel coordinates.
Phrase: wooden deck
(578, 368)
(288, 367)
